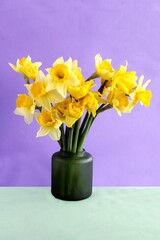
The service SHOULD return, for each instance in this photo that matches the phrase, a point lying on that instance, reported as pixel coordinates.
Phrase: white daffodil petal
(44, 101)
(32, 109)
(37, 64)
(119, 112)
(73, 80)
(43, 131)
(62, 89)
(68, 63)
(21, 111)
(54, 96)
(28, 86)
(55, 134)
(58, 61)
(140, 81)
(146, 84)
(13, 67)
(57, 124)
(74, 64)
(28, 58)
(98, 59)
(50, 86)
(28, 118)
(40, 77)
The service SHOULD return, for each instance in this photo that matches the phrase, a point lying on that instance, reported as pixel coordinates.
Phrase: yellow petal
(103, 67)
(13, 67)
(69, 121)
(144, 97)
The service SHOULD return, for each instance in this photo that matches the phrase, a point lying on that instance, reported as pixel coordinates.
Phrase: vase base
(64, 198)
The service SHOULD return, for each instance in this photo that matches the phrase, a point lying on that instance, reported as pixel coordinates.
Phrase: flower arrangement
(65, 104)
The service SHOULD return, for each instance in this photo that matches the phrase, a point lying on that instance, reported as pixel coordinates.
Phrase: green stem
(38, 108)
(60, 143)
(102, 109)
(83, 124)
(84, 134)
(70, 138)
(94, 75)
(76, 135)
(66, 137)
(102, 87)
(63, 140)
(26, 79)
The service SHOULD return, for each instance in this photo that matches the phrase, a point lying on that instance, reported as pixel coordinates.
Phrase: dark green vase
(71, 177)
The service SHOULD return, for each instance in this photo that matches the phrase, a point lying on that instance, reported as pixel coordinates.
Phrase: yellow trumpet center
(60, 73)
(75, 109)
(24, 101)
(46, 119)
(38, 90)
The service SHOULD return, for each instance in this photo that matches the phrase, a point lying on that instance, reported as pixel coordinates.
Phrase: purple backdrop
(126, 149)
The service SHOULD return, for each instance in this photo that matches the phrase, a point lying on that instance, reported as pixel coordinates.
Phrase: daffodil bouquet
(65, 104)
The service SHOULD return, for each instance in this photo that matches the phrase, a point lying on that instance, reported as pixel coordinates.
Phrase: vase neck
(78, 154)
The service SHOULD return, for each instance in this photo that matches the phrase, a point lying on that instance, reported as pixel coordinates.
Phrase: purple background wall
(126, 149)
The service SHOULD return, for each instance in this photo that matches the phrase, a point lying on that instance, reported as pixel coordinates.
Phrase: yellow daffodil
(140, 94)
(25, 107)
(63, 95)
(104, 68)
(81, 90)
(118, 100)
(123, 80)
(77, 71)
(38, 91)
(90, 101)
(75, 111)
(61, 76)
(62, 109)
(49, 124)
(26, 67)
(69, 111)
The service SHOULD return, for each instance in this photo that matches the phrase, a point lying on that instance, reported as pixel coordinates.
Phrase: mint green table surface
(28, 213)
